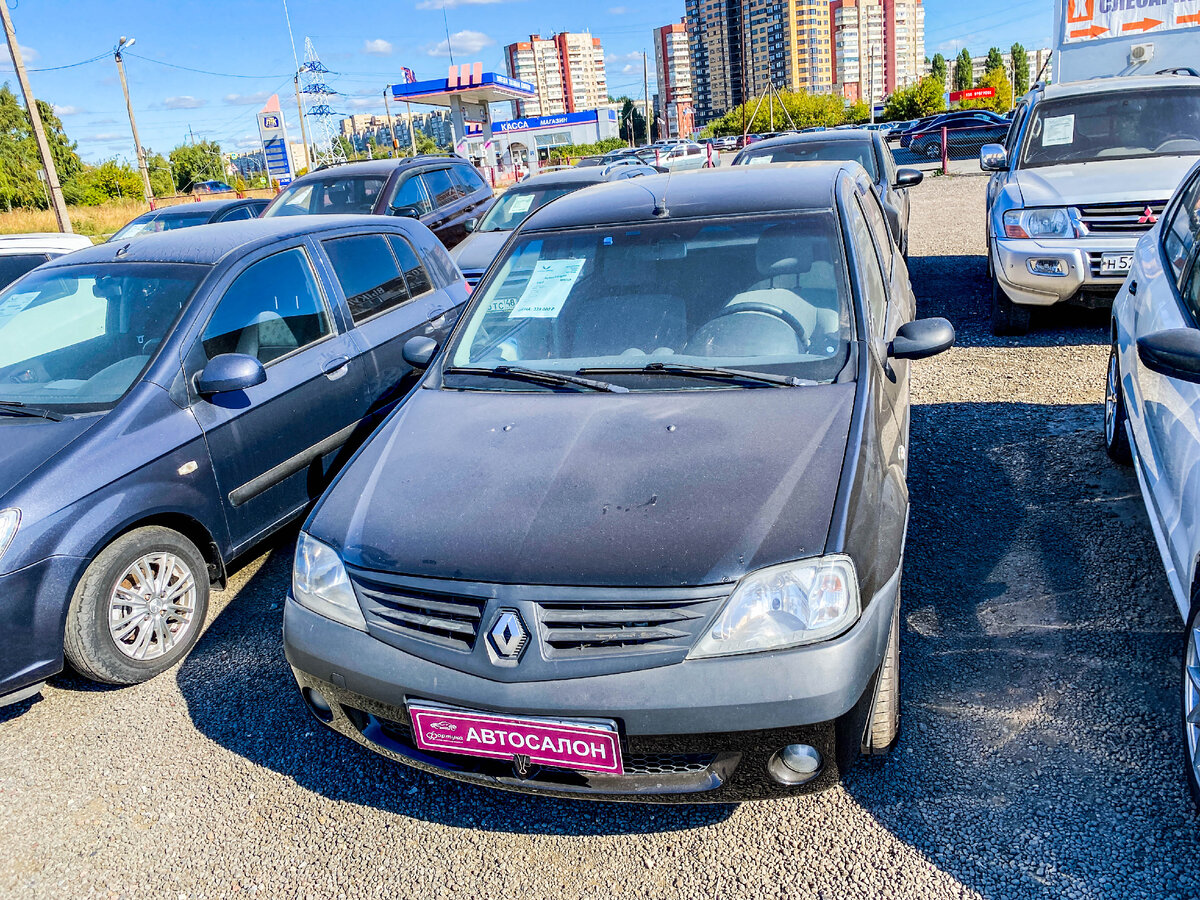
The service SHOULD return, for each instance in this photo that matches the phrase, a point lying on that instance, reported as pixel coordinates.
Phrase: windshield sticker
(1058, 130)
(548, 288)
(758, 160)
(522, 202)
(15, 304)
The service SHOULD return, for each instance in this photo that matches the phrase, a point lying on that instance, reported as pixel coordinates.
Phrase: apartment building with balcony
(674, 103)
(566, 68)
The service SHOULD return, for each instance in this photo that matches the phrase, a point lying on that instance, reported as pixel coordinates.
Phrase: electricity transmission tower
(322, 118)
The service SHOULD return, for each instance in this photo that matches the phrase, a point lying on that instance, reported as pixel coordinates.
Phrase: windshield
(352, 194)
(512, 209)
(160, 221)
(809, 151)
(765, 294)
(1117, 125)
(80, 336)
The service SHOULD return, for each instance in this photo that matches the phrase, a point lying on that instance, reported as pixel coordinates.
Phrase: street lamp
(122, 44)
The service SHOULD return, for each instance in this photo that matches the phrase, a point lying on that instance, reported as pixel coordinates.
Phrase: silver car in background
(1152, 415)
(1086, 170)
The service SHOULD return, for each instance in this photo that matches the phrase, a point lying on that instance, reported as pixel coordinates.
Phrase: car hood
(26, 444)
(478, 250)
(1104, 181)
(636, 490)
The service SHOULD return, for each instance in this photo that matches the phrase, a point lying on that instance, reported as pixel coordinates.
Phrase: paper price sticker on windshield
(1058, 130)
(548, 289)
(521, 203)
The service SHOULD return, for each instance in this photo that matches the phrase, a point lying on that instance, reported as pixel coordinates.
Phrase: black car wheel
(1008, 318)
(883, 726)
(139, 607)
(1116, 438)
(932, 150)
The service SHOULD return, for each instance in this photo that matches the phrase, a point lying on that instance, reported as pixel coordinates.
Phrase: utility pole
(39, 133)
(137, 143)
(646, 93)
(871, 89)
(300, 109)
(391, 124)
(412, 132)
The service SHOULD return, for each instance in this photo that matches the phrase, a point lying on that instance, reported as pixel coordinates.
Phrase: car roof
(376, 166)
(44, 242)
(208, 206)
(210, 244)
(740, 190)
(584, 175)
(1117, 83)
(845, 136)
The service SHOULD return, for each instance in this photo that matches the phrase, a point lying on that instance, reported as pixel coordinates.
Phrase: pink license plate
(584, 747)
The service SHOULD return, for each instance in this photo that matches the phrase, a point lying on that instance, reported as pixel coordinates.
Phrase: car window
(1010, 141)
(1183, 229)
(272, 309)
(889, 162)
(414, 273)
(14, 266)
(344, 194)
(440, 186)
(469, 181)
(368, 274)
(411, 195)
(866, 262)
(438, 261)
(236, 214)
(1191, 290)
(879, 225)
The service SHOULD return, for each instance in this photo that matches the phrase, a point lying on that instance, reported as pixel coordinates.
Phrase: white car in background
(1152, 414)
(20, 253)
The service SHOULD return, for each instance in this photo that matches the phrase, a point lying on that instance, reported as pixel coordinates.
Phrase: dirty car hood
(1103, 181)
(639, 489)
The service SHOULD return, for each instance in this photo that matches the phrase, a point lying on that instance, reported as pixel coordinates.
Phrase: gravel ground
(1039, 757)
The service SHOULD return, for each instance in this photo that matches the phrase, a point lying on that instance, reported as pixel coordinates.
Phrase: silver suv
(1087, 168)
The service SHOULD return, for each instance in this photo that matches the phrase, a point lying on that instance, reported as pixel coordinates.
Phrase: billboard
(1090, 20)
(272, 131)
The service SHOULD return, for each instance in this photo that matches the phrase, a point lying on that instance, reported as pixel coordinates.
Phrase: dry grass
(97, 222)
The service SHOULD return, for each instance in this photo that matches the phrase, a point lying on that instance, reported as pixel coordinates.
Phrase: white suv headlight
(320, 583)
(785, 606)
(10, 519)
(1052, 222)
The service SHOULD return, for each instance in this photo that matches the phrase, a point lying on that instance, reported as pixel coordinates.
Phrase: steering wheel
(768, 309)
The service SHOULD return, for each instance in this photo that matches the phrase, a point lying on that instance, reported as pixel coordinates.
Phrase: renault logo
(509, 635)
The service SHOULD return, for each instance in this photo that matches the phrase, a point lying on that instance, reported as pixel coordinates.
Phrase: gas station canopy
(467, 83)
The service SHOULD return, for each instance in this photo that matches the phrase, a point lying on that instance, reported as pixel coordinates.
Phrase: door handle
(335, 368)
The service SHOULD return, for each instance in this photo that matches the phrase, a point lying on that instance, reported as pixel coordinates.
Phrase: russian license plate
(582, 746)
(1115, 263)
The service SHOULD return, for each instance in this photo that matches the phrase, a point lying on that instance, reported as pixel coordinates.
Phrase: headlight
(319, 583)
(9, 520)
(1039, 223)
(785, 606)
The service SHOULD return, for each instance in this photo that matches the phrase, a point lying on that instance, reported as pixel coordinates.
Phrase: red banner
(972, 94)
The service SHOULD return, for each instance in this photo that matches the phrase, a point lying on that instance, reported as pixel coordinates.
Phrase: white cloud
(107, 138)
(462, 43)
(618, 10)
(454, 4)
(377, 47)
(184, 102)
(247, 99)
(248, 142)
(28, 56)
(67, 110)
(364, 102)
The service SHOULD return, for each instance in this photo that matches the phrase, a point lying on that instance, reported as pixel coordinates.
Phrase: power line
(84, 62)
(206, 71)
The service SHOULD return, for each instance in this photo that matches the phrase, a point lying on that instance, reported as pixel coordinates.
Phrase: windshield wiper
(520, 373)
(717, 372)
(15, 408)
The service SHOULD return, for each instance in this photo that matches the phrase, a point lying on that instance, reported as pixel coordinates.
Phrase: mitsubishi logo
(509, 635)
(1148, 217)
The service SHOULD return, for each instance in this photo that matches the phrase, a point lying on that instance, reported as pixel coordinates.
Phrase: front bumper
(33, 607)
(697, 731)
(1082, 282)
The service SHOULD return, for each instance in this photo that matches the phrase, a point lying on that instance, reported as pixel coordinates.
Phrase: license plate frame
(1116, 263)
(446, 729)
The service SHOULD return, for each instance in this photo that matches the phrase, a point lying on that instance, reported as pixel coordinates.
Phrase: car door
(476, 193)
(273, 445)
(446, 220)
(391, 298)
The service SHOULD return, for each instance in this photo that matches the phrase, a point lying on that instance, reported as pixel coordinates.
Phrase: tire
(932, 150)
(1190, 705)
(1116, 438)
(883, 722)
(122, 627)
(1008, 318)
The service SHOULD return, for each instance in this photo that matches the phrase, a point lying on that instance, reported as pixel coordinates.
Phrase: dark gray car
(639, 533)
(867, 148)
(168, 402)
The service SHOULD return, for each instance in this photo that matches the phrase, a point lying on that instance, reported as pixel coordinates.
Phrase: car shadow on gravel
(241, 695)
(1040, 661)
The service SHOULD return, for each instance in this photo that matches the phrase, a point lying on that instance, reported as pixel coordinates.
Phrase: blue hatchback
(168, 402)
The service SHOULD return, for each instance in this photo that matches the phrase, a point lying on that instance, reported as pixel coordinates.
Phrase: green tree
(426, 144)
(160, 174)
(963, 71)
(21, 183)
(631, 115)
(806, 111)
(1002, 101)
(921, 99)
(1020, 65)
(995, 60)
(938, 67)
(193, 163)
(111, 180)
(858, 112)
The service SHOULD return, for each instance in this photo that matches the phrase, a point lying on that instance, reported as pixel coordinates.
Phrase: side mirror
(418, 351)
(470, 225)
(908, 178)
(993, 158)
(230, 372)
(407, 212)
(922, 338)
(1174, 353)
(662, 170)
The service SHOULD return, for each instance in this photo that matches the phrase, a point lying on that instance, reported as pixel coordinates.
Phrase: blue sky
(365, 42)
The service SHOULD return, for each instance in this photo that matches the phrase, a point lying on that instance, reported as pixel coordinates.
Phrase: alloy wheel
(1191, 698)
(153, 606)
(1111, 386)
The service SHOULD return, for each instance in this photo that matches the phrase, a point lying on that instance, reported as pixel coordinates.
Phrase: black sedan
(188, 215)
(964, 134)
(639, 533)
(868, 148)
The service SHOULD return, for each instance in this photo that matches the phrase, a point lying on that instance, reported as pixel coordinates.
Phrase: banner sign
(1089, 20)
(980, 93)
(273, 134)
(532, 124)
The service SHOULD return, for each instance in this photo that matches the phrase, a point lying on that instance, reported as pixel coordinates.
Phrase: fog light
(1054, 267)
(318, 704)
(795, 764)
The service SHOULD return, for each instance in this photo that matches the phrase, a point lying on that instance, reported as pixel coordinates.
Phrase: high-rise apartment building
(567, 69)
(740, 47)
(674, 103)
(878, 46)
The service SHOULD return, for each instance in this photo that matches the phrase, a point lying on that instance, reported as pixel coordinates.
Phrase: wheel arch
(191, 528)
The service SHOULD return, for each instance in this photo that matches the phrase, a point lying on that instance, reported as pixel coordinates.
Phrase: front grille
(1121, 218)
(447, 620)
(574, 630)
(1094, 268)
(472, 276)
(668, 764)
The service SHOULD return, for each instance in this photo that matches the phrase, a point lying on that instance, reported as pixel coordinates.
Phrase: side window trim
(1168, 220)
(420, 262)
(404, 179)
(849, 207)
